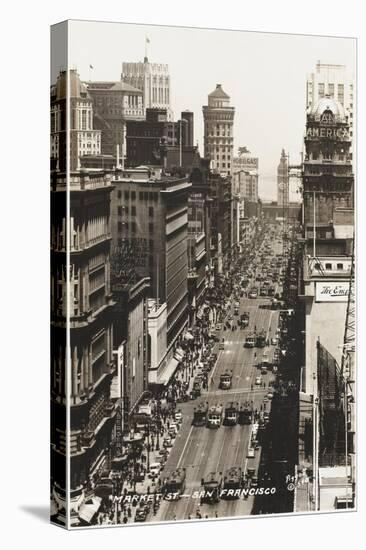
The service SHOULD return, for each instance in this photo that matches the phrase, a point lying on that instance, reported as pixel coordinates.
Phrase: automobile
(253, 294)
(155, 469)
(218, 326)
(251, 452)
(168, 442)
(274, 341)
(266, 415)
(222, 344)
(258, 380)
(173, 429)
(254, 481)
(141, 515)
(270, 395)
(178, 416)
(230, 318)
(274, 368)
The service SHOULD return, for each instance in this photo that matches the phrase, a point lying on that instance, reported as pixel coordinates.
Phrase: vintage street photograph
(203, 274)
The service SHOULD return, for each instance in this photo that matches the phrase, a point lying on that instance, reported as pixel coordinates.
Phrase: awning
(165, 376)
(88, 511)
(188, 336)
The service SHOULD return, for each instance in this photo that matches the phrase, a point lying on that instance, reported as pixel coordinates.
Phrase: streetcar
(244, 319)
(200, 415)
(250, 341)
(214, 416)
(197, 386)
(212, 485)
(233, 482)
(231, 414)
(225, 380)
(174, 485)
(245, 415)
(261, 339)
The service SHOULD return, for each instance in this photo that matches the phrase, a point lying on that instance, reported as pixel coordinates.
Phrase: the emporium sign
(332, 292)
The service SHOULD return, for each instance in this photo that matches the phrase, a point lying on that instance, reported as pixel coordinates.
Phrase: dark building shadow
(40, 512)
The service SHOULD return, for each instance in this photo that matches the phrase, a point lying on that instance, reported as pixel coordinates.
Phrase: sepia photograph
(203, 323)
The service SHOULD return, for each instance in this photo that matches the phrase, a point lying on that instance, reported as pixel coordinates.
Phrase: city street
(202, 450)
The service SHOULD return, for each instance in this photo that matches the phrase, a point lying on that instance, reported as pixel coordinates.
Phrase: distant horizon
(267, 88)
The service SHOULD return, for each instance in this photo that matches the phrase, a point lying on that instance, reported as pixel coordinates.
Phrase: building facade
(324, 285)
(153, 79)
(130, 326)
(327, 168)
(334, 81)
(87, 288)
(83, 138)
(245, 174)
(158, 140)
(114, 103)
(218, 118)
(150, 221)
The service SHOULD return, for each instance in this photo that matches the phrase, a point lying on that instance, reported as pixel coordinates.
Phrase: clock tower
(283, 182)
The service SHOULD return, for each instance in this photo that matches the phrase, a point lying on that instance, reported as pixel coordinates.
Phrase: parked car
(251, 452)
(155, 469)
(141, 514)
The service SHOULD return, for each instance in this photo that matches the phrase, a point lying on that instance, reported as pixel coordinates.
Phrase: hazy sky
(264, 74)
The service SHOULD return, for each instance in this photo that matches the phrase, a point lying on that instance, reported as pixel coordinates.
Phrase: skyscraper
(218, 118)
(153, 79)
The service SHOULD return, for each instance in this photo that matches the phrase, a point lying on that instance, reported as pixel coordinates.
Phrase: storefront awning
(88, 511)
(165, 376)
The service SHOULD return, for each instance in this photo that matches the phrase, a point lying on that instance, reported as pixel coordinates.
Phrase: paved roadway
(202, 450)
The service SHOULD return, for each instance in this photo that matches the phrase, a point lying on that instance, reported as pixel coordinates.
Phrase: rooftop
(219, 93)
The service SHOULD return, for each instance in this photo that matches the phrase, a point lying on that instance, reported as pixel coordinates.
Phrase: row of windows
(143, 195)
(329, 267)
(125, 210)
(124, 226)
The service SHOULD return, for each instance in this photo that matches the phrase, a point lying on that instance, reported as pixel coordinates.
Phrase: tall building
(324, 282)
(334, 81)
(245, 175)
(150, 223)
(153, 79)
(114, 103)
(283, 183)
(146, 140)
(327, 168)
(85, 285)
(218, 118)
(83, 138)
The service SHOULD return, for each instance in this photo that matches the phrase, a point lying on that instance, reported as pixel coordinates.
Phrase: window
(119, 194)
(133, 210)
(141, 195)
(340, 267)
(331, 90)
(321, 89)
(120, 226)
(151, 211)
(151, 228)
(133, 227)
(328, 266)
(133, 196)
(127, 195)
(120, 210)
